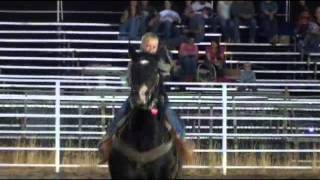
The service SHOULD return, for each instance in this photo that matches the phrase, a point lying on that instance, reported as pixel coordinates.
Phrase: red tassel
(154, 112)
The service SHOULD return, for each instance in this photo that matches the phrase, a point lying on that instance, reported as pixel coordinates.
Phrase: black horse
(145, 146)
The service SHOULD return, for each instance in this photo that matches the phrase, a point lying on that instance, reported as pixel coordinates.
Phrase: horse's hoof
(104, 161)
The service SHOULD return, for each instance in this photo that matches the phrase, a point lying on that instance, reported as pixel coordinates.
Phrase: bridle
(152, 96)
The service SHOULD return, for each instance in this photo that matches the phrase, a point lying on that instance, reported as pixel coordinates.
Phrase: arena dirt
(101, 173)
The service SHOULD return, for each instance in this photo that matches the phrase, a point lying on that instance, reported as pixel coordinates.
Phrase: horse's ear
(133, 54)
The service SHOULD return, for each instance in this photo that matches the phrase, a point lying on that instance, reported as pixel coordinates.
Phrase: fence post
(58, 10)
(224, 129)
(57, 127)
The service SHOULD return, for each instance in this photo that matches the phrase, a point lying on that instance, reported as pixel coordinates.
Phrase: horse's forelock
(144, 67)
(144, 77)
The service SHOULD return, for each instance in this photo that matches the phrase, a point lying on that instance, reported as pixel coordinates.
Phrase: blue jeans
(189, 65)
(174, 120)
(252, 23)
(227, 27)
(130, 29)
(166, 29)
(269, 27)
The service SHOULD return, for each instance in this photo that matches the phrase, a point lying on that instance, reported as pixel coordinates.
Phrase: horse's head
(145, 80)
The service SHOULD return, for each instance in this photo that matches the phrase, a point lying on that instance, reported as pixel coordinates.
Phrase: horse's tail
(186, 150)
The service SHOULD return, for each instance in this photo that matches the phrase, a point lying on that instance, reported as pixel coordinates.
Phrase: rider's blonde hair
(147, 37)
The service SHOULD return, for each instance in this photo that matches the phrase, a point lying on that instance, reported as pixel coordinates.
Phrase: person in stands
(247, 76)
(188, 56)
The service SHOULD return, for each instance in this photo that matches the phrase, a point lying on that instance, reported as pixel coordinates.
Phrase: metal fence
(60, 110)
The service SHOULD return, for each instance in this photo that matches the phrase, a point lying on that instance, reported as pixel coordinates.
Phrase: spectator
(247, 76)
(224, 20)
(131, 21)
(297, 8)
(166, 63)
(147, 12)
(204, 9)
(199, 6)
(312, 39)
(168, 19)
(151, 18)
(243, 13)
(269, 24)
(301, 28)
(146, 8)
(195, 26)
(187, 10)
(215, 57)
(188, 55)
(209, 17)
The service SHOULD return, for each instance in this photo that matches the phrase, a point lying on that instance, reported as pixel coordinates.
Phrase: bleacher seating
(65, 48)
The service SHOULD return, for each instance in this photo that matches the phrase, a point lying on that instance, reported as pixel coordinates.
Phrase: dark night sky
(94, 4)
(103, 5)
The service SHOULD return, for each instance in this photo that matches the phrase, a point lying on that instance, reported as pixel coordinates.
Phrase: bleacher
(80, 48)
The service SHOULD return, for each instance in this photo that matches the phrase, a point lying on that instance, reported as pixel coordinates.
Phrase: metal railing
(218, 97)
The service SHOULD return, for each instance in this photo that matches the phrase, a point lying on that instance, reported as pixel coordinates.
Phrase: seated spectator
(199, 6)
(188, 55)
(301, 28)
(223, 19)
(131, 21)
(195, 26)
(209, 17)
(247, 76)
(147, 12)
(150, 18)
(168, 18)
(312, 39)
(215, 56)
(297, 8)
(145, 8)
(269, 24)
(166, 63)
(185, 14)
(243, 13)
(204, 9)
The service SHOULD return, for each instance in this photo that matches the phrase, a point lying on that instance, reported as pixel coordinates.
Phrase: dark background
(93, 5)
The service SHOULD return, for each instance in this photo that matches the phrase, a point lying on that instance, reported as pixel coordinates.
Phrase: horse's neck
(144, 131)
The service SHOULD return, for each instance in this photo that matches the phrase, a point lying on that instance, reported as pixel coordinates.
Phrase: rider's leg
(112, 128)
(186, 149)
(104, 145)
(176, 122)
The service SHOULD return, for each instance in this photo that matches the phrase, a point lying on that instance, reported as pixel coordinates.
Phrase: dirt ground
(94, 173)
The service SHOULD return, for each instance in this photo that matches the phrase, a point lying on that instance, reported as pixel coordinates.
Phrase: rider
(149, 44)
